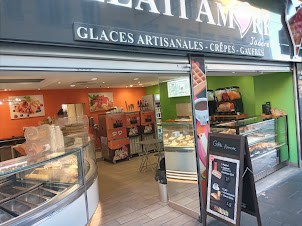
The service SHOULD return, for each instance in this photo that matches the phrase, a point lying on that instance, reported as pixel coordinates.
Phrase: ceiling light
(261, 72)
(72, 85)
(138, 82)
(103, 82)
(5, 89)
(59, 83)
(86, 87)
(141, 84)
(38, 88)
(131, 85)
(136, 79)
(93, 79)
(108, 87)
(233, 72)
(1, 102)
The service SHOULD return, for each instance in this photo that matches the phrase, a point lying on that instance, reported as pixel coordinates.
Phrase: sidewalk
(280, 203)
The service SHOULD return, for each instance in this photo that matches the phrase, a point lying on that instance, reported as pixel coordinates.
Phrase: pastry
(199, 79)
(215, 196)
(216, 174)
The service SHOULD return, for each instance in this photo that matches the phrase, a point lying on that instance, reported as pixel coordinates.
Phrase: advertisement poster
(179, 88)
(27, 106)
(100, 101)
(223, 187)
(201, 115)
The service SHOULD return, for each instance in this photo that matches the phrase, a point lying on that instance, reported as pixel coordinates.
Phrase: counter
(60, 188)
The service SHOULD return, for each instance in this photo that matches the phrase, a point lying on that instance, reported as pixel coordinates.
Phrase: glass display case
(267, 140)
(34, 187)
(179, 147)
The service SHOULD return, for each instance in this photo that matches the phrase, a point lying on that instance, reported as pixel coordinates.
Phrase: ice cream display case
(57, 187)
(179, 147)
(267, 140)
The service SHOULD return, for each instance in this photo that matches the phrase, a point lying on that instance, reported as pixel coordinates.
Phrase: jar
(210, 95)
(218, 94)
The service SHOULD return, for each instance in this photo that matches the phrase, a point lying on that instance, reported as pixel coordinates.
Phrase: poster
(27, 106)
(179, 88)
(223, 182)
(201, 115)
(100, 101)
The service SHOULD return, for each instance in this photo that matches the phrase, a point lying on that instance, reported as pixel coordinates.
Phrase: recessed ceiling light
(86, 87)
(131, 85)
(72, 85)
(141, 84)
(108, 87)
(136, 79)
(5, 89)
(233, 72)
(261, 72)
(38, 88)
(93, 79)
(59, 83)
(103, 82)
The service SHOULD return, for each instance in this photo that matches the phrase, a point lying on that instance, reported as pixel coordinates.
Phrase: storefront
(203, 44)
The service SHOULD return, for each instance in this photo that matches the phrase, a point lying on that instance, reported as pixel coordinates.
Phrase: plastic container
(210, 95)
(234, 93)
(218, 94)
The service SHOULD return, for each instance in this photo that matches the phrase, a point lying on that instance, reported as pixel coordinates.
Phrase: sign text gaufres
(240, 18)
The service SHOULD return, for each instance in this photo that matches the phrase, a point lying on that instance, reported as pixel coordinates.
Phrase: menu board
(179, 88)
(230, 185)
(222, 199)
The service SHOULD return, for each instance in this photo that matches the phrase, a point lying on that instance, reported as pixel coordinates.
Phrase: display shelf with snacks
(33, 188)
(179, 147)
(267, 140)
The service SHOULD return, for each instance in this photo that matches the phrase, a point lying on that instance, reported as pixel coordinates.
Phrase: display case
(54, 187)
(267, 140)
(179, 147)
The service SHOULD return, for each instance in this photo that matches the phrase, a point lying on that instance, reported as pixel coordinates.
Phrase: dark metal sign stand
(230, 185)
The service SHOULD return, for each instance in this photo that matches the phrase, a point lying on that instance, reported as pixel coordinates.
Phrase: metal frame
(297, 111)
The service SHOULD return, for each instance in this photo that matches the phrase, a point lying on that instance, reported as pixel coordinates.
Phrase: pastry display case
(179, 147)
(39, 189)
(267, 140)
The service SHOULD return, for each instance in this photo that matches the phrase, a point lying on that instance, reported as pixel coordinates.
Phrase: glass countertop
(20, 164)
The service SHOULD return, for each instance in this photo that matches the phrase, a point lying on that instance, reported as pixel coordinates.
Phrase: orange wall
(53, 100)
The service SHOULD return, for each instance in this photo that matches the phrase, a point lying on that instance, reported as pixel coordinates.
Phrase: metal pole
(84, 182)
(297, 110)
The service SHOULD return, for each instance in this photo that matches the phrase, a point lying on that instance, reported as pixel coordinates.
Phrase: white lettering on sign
(242, 13)
(229, 148)
(217, 144)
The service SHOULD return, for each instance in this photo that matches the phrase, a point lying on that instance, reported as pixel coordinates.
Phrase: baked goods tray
(255, 140)
(260, 153)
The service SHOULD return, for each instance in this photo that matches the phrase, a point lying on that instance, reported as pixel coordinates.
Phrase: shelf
(178, 148)
(258, 155)
(260, 139)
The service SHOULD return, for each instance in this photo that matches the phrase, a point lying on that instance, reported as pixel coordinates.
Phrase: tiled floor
(130, 197)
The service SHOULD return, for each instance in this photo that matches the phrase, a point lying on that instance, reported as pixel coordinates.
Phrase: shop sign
(213, 26)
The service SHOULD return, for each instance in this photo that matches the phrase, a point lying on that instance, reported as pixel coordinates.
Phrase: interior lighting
(72, 85)
(93, 79)
(135, 79)
(131, 85)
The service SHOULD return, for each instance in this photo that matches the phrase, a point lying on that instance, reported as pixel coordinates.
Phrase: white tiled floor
(130, 197)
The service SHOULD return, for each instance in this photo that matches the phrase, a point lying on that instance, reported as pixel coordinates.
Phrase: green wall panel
(152, 90)
(277, 88)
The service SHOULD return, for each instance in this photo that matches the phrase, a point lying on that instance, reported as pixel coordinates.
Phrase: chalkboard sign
(229, 180)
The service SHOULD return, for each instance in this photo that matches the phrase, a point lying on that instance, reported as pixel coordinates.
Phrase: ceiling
(35, 80)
